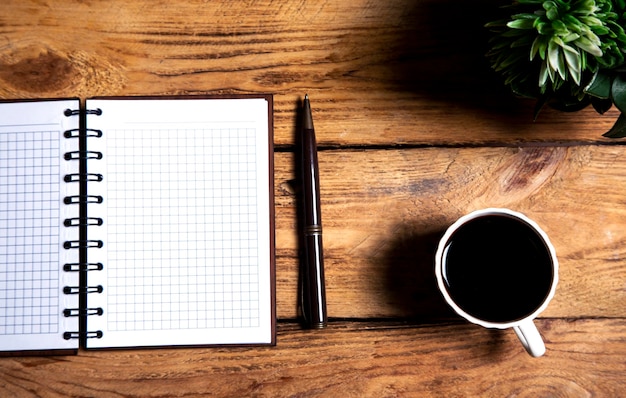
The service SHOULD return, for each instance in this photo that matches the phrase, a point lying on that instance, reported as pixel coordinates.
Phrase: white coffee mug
(497, 268)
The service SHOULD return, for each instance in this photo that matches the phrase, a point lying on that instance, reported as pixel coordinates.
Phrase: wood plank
(384, 211)
(347, 359)
(378, 73)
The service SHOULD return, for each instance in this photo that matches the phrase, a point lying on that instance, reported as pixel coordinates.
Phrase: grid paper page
(31, 231)
(184, 227)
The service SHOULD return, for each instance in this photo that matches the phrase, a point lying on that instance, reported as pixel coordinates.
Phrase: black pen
(314, 287)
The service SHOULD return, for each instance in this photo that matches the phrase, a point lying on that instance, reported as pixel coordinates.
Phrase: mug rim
(485, 212)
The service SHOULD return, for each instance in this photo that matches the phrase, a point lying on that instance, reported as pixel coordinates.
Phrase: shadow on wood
(442, 55)
(407, 272)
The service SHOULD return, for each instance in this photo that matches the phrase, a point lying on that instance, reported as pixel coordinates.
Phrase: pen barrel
(315, 291)
(316, 316)
(311, 182)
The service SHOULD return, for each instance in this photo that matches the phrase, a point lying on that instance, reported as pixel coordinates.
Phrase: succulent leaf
(601, 105)
(599, 86)
(619, 128)
(587, 45)
(618, 92)
(521, 24)
(573, 63)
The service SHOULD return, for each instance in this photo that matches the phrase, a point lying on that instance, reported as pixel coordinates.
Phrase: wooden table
(414, 130)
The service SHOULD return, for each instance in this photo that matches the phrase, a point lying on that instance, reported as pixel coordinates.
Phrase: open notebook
(136, 222)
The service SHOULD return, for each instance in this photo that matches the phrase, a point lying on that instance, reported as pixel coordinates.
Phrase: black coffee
(497, 268)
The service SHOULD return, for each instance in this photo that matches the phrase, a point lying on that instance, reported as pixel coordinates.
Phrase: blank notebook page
(32, 168)
(186, 230)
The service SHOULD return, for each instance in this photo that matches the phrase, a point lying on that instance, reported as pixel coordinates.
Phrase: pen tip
(306, 96)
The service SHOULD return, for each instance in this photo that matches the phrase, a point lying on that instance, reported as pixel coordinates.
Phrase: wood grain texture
(347, 359)
(384, 211)
(402, 72)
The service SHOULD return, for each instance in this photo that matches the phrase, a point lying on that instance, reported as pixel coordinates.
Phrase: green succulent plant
(567, 54)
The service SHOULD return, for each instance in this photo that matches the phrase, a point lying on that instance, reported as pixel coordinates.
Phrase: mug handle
(531, 339)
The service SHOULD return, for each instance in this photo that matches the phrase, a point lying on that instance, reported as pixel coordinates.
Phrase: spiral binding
(82, 155)
(78, 335)
(83, 243)
(82, 222)
(78, 177)
(79, 290)
(78, 199)
(75, 133)
(70, 312)
(78, 221)
(82, 267)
